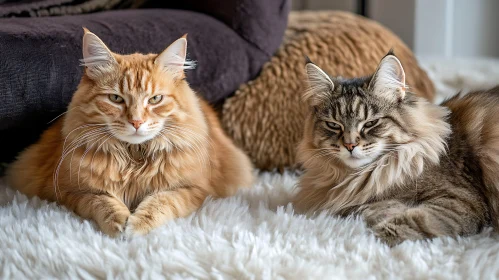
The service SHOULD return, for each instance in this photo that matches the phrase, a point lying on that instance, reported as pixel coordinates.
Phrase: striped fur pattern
(136, 147)
(416, 170)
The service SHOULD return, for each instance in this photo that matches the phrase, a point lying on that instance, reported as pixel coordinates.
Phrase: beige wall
(345, 5)
(451, 28)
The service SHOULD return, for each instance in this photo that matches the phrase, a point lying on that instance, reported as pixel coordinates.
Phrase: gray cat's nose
(350, 146)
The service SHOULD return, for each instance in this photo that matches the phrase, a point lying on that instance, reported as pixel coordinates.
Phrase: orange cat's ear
(97, 58)
(173, 59)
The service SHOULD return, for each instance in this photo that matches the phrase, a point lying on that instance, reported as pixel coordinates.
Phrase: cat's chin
(135, 138)
(355, 163)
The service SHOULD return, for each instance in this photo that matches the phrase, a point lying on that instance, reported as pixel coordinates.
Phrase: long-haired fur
(345, 187)
(410, 168)
(136, 147)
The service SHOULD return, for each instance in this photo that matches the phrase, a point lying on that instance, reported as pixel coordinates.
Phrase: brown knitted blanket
(266, 115)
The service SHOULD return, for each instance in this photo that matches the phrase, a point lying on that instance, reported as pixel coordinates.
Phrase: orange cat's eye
(155, 99)
(116, 98)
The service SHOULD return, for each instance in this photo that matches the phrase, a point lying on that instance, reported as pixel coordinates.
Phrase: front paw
(388, 234)
(395, 231)
(139, 224)
(378, 212)
(114, 224)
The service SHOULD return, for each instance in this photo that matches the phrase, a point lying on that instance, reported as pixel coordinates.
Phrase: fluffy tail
(478, 114)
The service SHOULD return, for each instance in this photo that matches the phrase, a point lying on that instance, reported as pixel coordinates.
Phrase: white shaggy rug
(254, 235)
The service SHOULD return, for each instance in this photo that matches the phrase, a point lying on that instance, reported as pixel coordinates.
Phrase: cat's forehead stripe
(137, 80)
(338, 110)
(343, 110)
(351, 107)
(127, 81)
(144, 80)
(366, 111)
(355, 104)
(123, 83)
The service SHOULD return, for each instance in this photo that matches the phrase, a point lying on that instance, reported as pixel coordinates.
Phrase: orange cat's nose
(136, 123)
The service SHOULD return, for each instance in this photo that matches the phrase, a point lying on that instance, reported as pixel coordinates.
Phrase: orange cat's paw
(114, 224)
(138, 224)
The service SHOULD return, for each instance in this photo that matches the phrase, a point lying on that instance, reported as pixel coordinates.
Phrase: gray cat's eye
(116, 98)
(155, 99)
(333, 125)
(370, 124)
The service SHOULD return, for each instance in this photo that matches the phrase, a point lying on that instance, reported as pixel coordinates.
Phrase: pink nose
(350, 146)
(136, 123)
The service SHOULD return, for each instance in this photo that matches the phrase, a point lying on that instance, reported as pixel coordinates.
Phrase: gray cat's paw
(379, 212)
(395, 231)
(388, 234)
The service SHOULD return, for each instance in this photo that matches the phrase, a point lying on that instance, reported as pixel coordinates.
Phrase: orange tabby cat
(136, 147)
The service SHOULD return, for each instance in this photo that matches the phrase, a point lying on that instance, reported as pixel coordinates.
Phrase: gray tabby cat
(411, 169)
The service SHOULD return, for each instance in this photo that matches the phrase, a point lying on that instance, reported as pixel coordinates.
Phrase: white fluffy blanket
(254, 235)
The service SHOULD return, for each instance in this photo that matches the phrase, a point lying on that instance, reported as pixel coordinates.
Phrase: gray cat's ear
(97, 58)
(320, 85)
(389, 79)
(173, 59)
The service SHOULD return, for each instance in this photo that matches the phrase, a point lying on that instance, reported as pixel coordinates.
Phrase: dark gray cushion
(39, 67)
